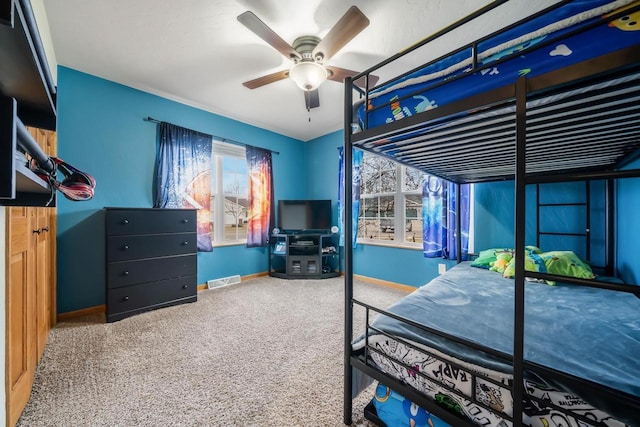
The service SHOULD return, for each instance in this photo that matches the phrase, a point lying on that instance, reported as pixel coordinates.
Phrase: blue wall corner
(628, 226)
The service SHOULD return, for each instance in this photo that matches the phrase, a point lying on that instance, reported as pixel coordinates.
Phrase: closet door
(30, 291)
(44, 254)
(21, 310)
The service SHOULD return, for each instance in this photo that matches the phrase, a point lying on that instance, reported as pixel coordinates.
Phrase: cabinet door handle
(185, 243)
(185, 286)
(185, 221)
(45, 228)
(125, 273)
(125, 221)
(38, 231)
(125, 247)
(125, 298)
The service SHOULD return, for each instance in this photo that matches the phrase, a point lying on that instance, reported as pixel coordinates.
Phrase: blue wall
(628, 206)
(101, 130)
(495, 217)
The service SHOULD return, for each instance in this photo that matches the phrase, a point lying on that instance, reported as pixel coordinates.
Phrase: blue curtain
(439, 218)
(432, 217)
(451, 220)
(261, 212)
(183, 176)
(357, 178)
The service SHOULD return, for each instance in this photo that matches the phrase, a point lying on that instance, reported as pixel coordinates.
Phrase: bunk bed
(553, 118)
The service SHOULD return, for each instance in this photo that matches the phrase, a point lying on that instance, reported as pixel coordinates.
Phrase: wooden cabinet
(30, 291)
(151, 259)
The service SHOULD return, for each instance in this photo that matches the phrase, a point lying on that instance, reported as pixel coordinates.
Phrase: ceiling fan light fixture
(308, 75)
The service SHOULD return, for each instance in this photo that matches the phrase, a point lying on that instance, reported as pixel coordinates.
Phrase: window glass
(413, 179)
(229, 193)
(378, 175)
(376, 219)
(390, 201)
(235, 198)
(413, 218)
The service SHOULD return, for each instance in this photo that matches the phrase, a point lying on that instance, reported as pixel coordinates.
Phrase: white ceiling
(197, 53)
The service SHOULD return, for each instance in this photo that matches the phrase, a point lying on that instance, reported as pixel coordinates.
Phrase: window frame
(400, 220)
(221, 150)
(399, 193)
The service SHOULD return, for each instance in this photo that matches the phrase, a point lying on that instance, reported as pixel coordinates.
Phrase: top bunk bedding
(583, 54)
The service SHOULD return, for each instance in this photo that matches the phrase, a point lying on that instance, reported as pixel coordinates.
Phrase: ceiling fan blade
(252, 22)
(345, 29)
(339, 74)
(311, 99)
(265, 80)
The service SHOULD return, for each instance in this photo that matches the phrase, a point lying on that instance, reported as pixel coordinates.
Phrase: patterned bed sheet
(585, 332)
(419, 369)
(404, 97)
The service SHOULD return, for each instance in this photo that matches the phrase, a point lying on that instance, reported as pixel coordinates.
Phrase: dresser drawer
(149, 221)
(121, 248)
(126, 273)
(122, 302)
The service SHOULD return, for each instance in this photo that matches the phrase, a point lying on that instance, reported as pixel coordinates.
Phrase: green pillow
(566, 263)
(486, 257)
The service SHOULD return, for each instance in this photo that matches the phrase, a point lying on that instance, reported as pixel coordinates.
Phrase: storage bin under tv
(304, 256)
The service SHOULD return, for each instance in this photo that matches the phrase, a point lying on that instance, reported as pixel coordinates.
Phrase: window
(229, 194)
(390, 201)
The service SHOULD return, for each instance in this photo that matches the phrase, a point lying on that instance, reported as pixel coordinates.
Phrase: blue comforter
(587, 332)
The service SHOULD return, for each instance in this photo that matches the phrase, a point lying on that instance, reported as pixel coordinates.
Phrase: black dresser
(151, 259)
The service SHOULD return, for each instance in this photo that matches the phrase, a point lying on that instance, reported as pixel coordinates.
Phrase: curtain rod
(151, 119)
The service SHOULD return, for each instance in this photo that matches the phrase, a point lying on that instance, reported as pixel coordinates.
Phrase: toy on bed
(502, 261)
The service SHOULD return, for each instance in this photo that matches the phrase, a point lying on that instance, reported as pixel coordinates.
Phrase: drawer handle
(185, 243)
(185, 286)
(125, 221)
(185, 221)
(125, 273)
(125, 298)
(125, 247)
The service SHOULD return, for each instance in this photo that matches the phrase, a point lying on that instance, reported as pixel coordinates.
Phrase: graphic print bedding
(586, 332)
(542, 45)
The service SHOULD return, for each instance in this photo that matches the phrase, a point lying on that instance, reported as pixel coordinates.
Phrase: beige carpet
(265, 352)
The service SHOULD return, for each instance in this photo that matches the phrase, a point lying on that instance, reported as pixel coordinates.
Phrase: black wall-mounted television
(299, 215)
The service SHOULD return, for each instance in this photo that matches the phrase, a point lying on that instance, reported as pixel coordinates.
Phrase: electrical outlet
(442, 268)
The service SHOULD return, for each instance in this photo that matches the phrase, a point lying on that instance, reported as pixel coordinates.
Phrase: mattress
(541, 45)
(586, 332)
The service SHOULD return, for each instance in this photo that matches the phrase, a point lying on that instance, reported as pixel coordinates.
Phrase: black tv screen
(304, 214)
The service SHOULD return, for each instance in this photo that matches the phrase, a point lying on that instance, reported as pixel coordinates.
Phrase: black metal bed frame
(517, 94)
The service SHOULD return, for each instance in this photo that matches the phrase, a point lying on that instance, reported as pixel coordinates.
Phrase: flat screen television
(300, 215)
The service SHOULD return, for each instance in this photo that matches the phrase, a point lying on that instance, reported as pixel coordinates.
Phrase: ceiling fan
(309, 53)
